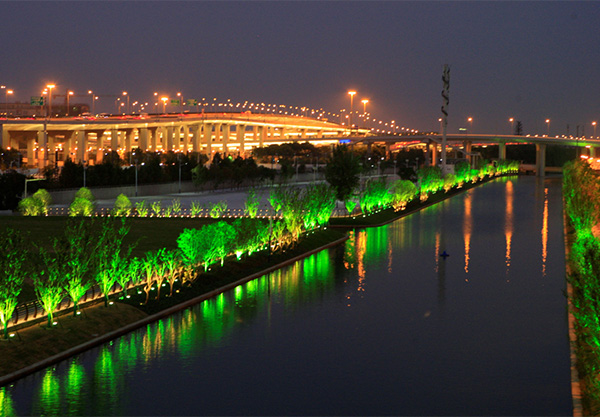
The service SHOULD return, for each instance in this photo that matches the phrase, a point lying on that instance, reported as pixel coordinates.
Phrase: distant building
(19, 109)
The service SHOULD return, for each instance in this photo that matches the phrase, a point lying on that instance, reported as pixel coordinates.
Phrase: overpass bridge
(46, 141)
(464, 143)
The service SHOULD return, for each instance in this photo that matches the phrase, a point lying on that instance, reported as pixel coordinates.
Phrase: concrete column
(169, 142)
(69, 148)
(30, 150)
(434, 154)
(502, 151)
(5, 137)
(129, 139)
(303, 133)
(226, 132)
(241, 138)
(80, 145)
(195, 138)
(282, 133)
(540, 160)
(185, 131)
(263, 135)
(51, 151)
(143, 138)
(467, 145)
(596, 152)
(114, 139)
(217, 133)
(388, 150)
(208, 139)
(42, 153)
(153, 139)
(320, 134)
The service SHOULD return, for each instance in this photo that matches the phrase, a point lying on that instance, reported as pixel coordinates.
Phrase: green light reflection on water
(102, 389)
(7, 407)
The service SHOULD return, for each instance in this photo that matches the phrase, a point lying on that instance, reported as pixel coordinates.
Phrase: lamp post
(6, 100)
(180, 98)
(594, 125)
(440, 120)
(352, 93)
(548, 123)
(470, 120)
(93, 101)
(84, 169)
(69, 94)
(125, 94)
(512, 121)
(164, 100)
(50, 87)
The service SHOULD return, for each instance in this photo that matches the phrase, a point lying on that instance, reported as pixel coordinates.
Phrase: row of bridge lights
(270, 108)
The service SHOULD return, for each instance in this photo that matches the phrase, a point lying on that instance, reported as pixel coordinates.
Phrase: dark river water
(382, 325)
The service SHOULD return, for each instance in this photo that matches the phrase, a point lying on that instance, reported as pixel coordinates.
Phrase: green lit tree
(74, 252)
(130, 274)
(223, 239)
(217, 209)
(30, 207)
(13, 258)
(141, 207)
(342, 172)
(122, 206)
(172, 263)
(402, 191)
(49, 283)
(44, 198)
(252, 203)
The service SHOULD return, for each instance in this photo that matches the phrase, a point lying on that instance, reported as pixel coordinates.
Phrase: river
(382, 325)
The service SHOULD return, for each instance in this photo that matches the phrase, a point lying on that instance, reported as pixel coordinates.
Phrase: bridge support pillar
(540, 160)
(143, 139)
(226, 132)
(169, 141)
(263, 135)
(69, 146)
(282, 133)
(80, 140)
(185, 131)
(434, 154)
(595, 151)
(241, 138)
(114, 139)
(208, 139)
(369, 148)
(5, 137)
(42, 153)
(30, 150)
(153, 139)
(467, 146)
(195, 138)
(129, 139)
(502, 151)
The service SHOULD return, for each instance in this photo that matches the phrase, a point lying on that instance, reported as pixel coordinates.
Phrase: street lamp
(352, 93)
(470, 120)
(69, 94)
(548, 123)
(180, 102)
(125, 94)
(364, 102)
(6, 100)
(93, 101)
(511, 120)
(593, 124)
(164, 100)
(50, 87)
(440, 120)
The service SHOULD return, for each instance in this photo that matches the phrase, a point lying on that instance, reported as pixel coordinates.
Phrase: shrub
(81, 207)
(122, 206)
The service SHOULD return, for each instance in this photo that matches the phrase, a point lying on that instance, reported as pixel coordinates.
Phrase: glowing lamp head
(351, 93)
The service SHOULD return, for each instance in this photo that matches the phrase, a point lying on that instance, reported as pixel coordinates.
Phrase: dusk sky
(527, 60)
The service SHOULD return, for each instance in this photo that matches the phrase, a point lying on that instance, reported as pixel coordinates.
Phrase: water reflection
(6, 403)
(508, 218)
(545, 233)
(467, 229)
(268, 347)
(71, 387)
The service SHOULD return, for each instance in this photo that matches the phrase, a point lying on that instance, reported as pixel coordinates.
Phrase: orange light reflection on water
(545, 233)
(467, 229)
(508, 227)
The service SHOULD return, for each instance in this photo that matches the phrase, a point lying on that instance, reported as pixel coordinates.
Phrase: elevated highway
(49, 141)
